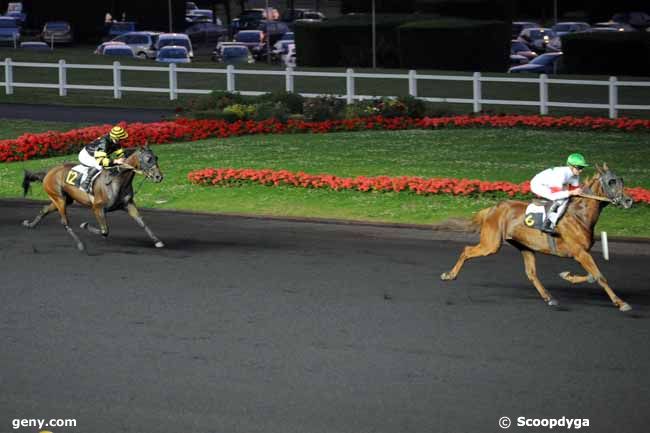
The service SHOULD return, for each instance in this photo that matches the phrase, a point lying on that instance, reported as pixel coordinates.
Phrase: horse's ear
(605, 168)
(598, 169)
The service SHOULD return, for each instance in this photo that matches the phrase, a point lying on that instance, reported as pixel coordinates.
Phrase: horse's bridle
(605, 187)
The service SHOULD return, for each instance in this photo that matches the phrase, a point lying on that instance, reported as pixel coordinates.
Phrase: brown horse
(505, 221)
(113, 190)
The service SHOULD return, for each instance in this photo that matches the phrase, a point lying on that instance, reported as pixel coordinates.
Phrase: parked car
(206, 32)
(57, 32)
(274, 30)
(564, 28)
(516, 60)
(120, 27)
(541, 39)
(280, 49)
(9, 31)
(121, 50)
(291, 15)
(639, 20)
(289, 59)
(15, 10)
(619, 27)
(35, 46)
(173, 54)
(253, 39)
(519, 48)
(142, 43)
(189, 6)
(180, 39)
(201, 16)
(518, 26)
(232, 53)
(544, 64)
(101, 47)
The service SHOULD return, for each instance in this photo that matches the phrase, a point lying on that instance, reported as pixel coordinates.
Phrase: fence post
(173, 82)
(413, 83)
(9, 77)
(117, 81)
(63, 78)
(349, 84)
(543, 94)
(230, 78)
(613, 98)
(289, 79)
(476, 84)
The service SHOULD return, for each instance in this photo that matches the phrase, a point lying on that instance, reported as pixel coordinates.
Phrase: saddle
(78, 174)
(536, 212)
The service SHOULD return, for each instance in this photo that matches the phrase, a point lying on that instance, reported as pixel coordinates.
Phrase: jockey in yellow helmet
(104, 151)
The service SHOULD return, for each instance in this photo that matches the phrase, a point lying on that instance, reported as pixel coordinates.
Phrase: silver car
(142, 43)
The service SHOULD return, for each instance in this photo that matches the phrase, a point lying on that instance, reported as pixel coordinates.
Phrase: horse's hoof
(624, 307)
(80, 246)
(26, 224)
(591, 279)
(159, 244)
(565, 274)
(445, 276)
(83, 225)
(552, 303)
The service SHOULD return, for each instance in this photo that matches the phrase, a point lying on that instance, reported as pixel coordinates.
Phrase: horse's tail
(32, 176)
(466, 225)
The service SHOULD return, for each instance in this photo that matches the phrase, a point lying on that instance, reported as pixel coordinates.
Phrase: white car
(289, 59)
(173, 54)
(179, 39)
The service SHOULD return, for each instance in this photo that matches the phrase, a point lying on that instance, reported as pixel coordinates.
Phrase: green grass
(488, 154)
(364, 86)
(12, 128)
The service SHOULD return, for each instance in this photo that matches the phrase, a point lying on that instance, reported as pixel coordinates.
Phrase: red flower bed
(418, 185)
(29, 146)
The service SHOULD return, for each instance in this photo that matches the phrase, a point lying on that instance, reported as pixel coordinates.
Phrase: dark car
(544, 64)
(291, 15)
(519, 48)
(253, 39)
(640, 20)
(567, 27)
(206, 32)
(232, 53)
(518, 26)
(120, 27)
(9, 31)
(57, 32)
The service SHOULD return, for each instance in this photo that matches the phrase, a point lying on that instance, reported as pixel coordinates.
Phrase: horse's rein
(130, 167)
(596, 197)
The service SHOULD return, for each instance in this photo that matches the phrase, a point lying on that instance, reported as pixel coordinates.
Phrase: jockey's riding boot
(89, 177)
(549, 227)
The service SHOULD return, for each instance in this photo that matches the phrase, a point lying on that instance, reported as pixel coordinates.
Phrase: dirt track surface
(253, 325)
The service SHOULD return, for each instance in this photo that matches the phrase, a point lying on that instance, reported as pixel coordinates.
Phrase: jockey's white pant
(88, 160)
(559, 205)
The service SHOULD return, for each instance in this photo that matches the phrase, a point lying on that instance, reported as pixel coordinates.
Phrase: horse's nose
(158, 178)
(627, 202)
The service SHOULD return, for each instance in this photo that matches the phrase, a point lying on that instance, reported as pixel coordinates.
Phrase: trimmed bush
(616, 53)
(291, 101)
(455, 44)
(323, 108)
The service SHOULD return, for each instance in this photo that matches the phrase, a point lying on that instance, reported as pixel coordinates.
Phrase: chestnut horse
(505, 221)
(112, 190)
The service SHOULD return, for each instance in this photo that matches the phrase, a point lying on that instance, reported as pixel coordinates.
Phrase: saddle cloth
(536, 213)
(77, 175)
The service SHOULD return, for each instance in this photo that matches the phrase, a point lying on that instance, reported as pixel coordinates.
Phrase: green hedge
(404, 43)
(455, 44)
(618, 53)
(347, 41)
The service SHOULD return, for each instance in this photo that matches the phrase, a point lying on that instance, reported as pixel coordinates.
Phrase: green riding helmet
(577, 160)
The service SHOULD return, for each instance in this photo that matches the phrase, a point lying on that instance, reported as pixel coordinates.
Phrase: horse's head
(147, 162)
(611, 186)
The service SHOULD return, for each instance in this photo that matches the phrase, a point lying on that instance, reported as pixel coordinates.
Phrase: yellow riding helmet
(118, 133)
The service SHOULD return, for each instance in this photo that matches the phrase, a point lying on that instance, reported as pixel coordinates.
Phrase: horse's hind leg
(489, 244)
(47, 209)
(133, 213)
(61, 204)
(587, 262)
(100, 216)
(577, 279)
(531, 273)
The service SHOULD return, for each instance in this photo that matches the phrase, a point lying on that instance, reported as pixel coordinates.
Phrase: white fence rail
(476, 80)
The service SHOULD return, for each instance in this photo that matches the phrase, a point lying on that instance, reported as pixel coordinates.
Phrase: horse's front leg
(100, 216)
(135, 214)
(588, 263)
(531, 273)
(47, 209)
